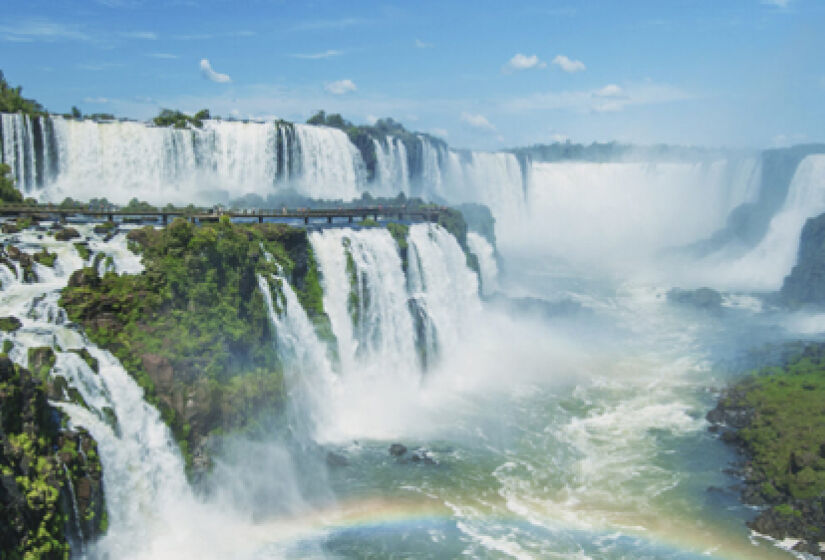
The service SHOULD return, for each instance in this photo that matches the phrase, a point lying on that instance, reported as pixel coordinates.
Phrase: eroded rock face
(805, 285)
(47, 473)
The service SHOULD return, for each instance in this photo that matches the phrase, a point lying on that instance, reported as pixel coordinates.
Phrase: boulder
(66, 234)
(397, 450)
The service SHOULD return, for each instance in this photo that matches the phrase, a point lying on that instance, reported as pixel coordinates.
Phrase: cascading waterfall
(331, 166)
(392, 166)
(488, 267)
(441, 284)
(616, 214)
(366, 299)
(766, 265)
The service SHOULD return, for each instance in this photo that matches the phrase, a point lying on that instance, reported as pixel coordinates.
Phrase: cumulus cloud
(568, 64)
(319, 55)
(477, 121)
(210, 74)
(423, 45)
(523, 62)
(610, 90)
(340, 87)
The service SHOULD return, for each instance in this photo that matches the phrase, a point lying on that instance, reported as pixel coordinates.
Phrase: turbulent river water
(552, 408)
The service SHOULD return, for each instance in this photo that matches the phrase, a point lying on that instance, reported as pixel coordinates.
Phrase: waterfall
(392, 166)
(366, 300)
(18, 136)
(307, 366)
(617, 214)
(487, 265)
(441, 284)
(332, 167)
(766, 265)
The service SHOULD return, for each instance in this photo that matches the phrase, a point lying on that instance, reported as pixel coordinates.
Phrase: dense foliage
(7, 191)
(12, 100)
(777, 417)
(193, 327)
(39, 459)
(177, 119)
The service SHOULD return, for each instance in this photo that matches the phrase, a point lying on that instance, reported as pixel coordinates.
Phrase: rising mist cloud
(210, 74)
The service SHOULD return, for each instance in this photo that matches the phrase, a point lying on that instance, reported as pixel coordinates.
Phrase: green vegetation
(45, 258)
(786, 435)
(12, 100)
(177, 119)
(10, 324)
(778, 420)
(83, 250)
(8, 193)
(38, 460)
(193, 328)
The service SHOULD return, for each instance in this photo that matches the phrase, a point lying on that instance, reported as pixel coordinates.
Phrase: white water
(619, 215)
(392, 167)
(488, 267)
(765, 266)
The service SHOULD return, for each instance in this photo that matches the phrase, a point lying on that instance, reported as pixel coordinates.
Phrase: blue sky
(482, 74)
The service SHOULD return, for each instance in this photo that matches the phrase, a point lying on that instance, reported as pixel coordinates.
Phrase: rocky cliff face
(51, 496)
(806, 283)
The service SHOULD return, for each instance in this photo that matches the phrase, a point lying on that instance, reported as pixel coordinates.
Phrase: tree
(7, 191)
(12, 101)
(76, 114)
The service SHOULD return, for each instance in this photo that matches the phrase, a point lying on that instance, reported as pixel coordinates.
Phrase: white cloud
(477, 121)
(423, 45)
(610, 98)
(97, 100)
(316, 56)
(568, 64)
(610, 90)
(783, 4)
(163, 55)
(147, 35)
(41, 30)
(440, 132)
(523, 62)
(559, 138)
(340, 87)
(210, 74)
(371, 119)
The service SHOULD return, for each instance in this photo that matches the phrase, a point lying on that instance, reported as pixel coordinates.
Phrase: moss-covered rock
(193, 328)
(47, 473)
(45, 258)
(10, 324)
(41, 361)
(777, 418)
(26, 262)
(66, 234)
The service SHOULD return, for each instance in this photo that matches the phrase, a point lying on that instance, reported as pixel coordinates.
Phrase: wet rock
(336, 460)
(397, 450)
(66, 234)
(423, 457)
(84, 277)
(10, 227)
